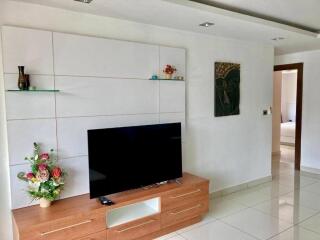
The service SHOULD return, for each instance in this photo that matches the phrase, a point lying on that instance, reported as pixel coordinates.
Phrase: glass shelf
(35, 90)
(164, 79)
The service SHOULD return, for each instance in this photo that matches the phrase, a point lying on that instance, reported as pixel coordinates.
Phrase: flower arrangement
(46, 179)
(169, 69)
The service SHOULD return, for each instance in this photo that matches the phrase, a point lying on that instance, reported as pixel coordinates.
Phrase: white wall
(310, 151)
(228, 150)
(5, 219)
(276, 112)
(289, 96)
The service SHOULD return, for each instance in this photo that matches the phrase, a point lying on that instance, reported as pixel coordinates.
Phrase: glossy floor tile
(303, 198)
(287, 154)
(224, 206)
(314, 188)
(217, 231)
(312, 224)
(286, 211)
(168, 236)
(286, 208)
(297, 233)
(256, 223)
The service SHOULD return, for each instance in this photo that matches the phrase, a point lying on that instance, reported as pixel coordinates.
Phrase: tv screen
(132, 157)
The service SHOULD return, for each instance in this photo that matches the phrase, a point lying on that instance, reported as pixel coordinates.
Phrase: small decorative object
(27, 77)
(169, 71)
(180, 78)
(227, 89)
(154, 77)
(46, 179)
(22, 82)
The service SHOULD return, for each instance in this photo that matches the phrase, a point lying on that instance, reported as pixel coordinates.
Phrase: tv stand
(138, 214)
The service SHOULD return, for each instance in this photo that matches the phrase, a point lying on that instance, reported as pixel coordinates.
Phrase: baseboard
(310, 172)
(240, 187)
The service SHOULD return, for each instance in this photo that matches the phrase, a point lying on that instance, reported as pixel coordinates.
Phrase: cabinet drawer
(174, 199)
(184, 212)
(97, 236)
(73, 227)
(135, 229)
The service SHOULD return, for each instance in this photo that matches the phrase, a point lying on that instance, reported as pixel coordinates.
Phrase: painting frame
(227, 89)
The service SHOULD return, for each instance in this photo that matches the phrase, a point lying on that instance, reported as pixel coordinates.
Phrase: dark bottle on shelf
(22, 81)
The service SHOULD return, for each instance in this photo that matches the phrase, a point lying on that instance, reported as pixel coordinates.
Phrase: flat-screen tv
(126, 158)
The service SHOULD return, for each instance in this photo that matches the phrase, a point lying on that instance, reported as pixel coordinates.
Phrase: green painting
(227, 89)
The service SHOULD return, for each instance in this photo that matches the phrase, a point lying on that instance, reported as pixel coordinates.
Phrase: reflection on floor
(285, 209)
(287, 154)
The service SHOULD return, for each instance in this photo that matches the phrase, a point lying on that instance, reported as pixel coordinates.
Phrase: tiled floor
(288, 208)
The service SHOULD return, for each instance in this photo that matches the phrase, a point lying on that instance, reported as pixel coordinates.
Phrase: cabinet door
(135, 229)
(185, 212)
(96, 236)
(71, 227)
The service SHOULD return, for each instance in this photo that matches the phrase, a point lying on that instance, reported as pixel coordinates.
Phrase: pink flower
(44, 156)
(30, 175)
(43, 176)
(42, 166)
(56, 172)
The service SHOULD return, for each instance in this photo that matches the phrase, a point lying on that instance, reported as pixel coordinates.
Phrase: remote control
(105, 201)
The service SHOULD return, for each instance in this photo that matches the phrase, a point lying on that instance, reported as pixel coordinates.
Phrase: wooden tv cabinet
(138, 214)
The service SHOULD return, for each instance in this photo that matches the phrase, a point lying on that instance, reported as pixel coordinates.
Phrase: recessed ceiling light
(278, 39)
(84, 1)
(206, 24)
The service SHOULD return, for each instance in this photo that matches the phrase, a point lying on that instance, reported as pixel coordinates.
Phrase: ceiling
(299, 13)
(187, 15)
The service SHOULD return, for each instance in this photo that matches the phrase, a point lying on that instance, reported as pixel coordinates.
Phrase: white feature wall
(310, 151)
(103, 83)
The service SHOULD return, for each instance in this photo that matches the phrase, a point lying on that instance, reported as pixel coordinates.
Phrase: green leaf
(21, 176)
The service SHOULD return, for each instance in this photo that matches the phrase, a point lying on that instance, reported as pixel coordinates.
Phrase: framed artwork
(227, 89)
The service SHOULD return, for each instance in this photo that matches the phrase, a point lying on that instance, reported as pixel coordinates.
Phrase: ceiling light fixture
(84, 1)
(206, 24)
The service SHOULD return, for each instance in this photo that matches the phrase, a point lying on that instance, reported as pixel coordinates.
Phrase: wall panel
(27, 47)
(72, 132)
(90, 96)
(23, 133)
(28, 105)
(77, 181)
(172, 96)
(88, 56)
(175, 57)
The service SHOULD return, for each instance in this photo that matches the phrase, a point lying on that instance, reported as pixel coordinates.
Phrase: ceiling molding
(241, 16)
(256, 15)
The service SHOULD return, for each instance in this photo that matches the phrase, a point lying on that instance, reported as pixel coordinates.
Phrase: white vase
(44, 203)
(168, 76)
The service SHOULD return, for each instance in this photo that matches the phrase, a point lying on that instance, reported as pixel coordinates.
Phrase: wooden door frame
(299, 68)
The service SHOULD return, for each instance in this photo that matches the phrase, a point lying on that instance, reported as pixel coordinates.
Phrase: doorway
(287, 112)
